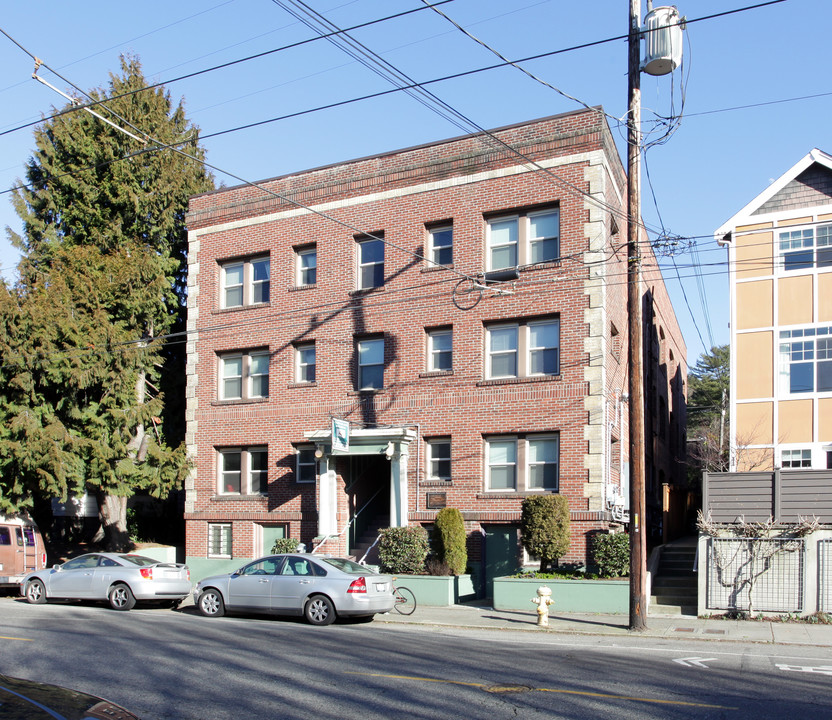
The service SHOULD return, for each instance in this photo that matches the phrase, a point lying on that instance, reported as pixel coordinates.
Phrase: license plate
(381, 587)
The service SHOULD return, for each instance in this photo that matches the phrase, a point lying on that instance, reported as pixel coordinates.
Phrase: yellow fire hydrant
(543, 601)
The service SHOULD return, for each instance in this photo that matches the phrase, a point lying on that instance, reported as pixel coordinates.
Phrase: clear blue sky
(717, 160)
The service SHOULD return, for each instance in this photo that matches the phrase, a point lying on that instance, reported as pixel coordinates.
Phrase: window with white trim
(441, 244)
(806, 248)
(439, 459)
(370, 353)
(806, 360)
(305, 364)
(219, 540)
(244, 282)
(440, 349)
(370, 262)
(306, 465)
(800, 458)
(244, 376)
(243, 471)
(524, 463)
(523, 349)
(306, 268)
(523, 239)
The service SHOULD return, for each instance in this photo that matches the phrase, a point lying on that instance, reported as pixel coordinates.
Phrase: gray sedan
(318, 587)
(121, 579)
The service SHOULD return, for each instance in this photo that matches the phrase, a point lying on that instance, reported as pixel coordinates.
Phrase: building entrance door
(368, 490)
(502, 553)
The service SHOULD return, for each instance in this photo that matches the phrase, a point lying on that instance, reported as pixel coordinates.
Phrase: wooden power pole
(638, 542)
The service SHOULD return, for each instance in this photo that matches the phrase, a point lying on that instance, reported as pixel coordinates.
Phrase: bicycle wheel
(405, 601)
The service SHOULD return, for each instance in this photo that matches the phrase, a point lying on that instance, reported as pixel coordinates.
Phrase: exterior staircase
(365, 542)
(675, 585)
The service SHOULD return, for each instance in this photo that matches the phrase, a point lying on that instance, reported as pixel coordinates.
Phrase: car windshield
(348, 566)
(139, 560)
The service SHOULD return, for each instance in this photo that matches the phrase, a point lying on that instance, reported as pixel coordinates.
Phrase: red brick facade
(460, 183)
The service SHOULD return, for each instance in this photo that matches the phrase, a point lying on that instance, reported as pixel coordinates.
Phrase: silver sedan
(317, 587)
(119, 578)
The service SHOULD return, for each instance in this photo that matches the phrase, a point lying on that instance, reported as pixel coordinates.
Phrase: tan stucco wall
(795, 422)
(824, 297)
(755, 459)
(825, 420)
(755, 423)
(795, 221)
(754, 254)
(794, 300)
(755, 371)
(755, 304)
(755, 226)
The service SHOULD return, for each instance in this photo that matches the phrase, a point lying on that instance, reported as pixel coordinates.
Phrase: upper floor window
(440, 349)
(305, 464)
(306, 265)
(441, 245)
(806, 360)
(245, 282)
(525, 462)
(370, 263)
(523, 349)
(806, 248)
(801, 458)
(523, 239)
(305, 363)
(244, 376)
(370, 354)
(439, 459)
(243, 471)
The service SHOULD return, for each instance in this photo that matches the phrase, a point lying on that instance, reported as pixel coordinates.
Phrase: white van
(21, 549)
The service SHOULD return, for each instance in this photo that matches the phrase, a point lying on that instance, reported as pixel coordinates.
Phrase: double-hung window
(370, 262)
(806, 248)
(523, 239)
(439, 459)
(243, 471)
(440, 350)
(523, 349)
(306, 268)
(305, 363)
(441, 245)
(244, 376)
(370, 353)
(806, 360)
(525, 463)
(305, 464)
(245, 282)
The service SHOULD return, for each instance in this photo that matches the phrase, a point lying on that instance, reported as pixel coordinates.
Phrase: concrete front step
(669, 581)
(662, 609)
(673, 599)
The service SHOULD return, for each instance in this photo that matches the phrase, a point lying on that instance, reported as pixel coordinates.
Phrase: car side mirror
(56, 566)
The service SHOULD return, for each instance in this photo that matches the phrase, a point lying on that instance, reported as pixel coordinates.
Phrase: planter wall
(601, 596)
(438, 590)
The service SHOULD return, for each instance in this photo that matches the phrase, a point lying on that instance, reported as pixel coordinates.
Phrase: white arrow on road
(822, 669)
(694, 662)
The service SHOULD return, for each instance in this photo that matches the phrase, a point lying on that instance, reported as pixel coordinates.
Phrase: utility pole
(638, 543)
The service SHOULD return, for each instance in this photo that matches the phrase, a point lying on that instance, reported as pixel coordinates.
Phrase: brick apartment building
(463, 306)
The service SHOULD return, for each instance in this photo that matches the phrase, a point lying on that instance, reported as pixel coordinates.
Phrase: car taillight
(147, 573)
(188, 573)
(43, 559)
(357, 586)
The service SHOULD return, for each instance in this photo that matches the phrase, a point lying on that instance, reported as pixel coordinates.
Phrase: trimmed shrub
(403, 549)
(449, 540)
(285, 545)
(611, 553)
(544, 527)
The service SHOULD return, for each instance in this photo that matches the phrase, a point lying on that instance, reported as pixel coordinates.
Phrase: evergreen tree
(708, 400)
(103, 273)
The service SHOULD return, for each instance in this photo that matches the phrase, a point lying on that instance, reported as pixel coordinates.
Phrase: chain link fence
(825, 576)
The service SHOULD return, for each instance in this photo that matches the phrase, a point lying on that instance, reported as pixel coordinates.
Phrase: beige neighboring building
(780, 264)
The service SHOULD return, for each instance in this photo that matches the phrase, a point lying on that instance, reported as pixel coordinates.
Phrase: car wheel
(210, 603)
(121, 598)
(36, 592)
(319, 610)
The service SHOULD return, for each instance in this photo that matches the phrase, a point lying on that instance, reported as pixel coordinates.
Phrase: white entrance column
(398, 486)
(327, 501)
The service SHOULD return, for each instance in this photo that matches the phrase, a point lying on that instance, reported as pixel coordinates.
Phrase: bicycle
(405, 600)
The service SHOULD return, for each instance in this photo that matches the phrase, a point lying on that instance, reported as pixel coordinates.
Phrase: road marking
(585, 693)
(694, 662)
(821, 669)
(3, 637)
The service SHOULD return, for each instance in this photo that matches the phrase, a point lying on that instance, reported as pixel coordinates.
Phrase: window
(306, 466)
(523, 239)
(527, 463)
(523, 349)
(806, 248)
(219, 540)
(440, 349)
(441, 245)
(439, 460)
(244, 376)
(370, 364)
(370, 263)
(806, 360)
(307, 266)
(245, 282)
(796, 458)
(243, 471)
(305, 363)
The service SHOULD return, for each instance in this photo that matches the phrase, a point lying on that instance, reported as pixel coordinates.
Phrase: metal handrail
(347, 526)
(364, 556)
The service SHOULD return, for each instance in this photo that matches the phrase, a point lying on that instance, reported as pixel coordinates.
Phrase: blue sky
(744, 95)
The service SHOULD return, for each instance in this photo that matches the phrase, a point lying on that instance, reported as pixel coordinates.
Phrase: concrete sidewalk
(678, 626)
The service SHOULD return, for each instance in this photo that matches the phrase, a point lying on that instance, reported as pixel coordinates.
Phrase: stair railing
(363, 560)
(347, 526)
